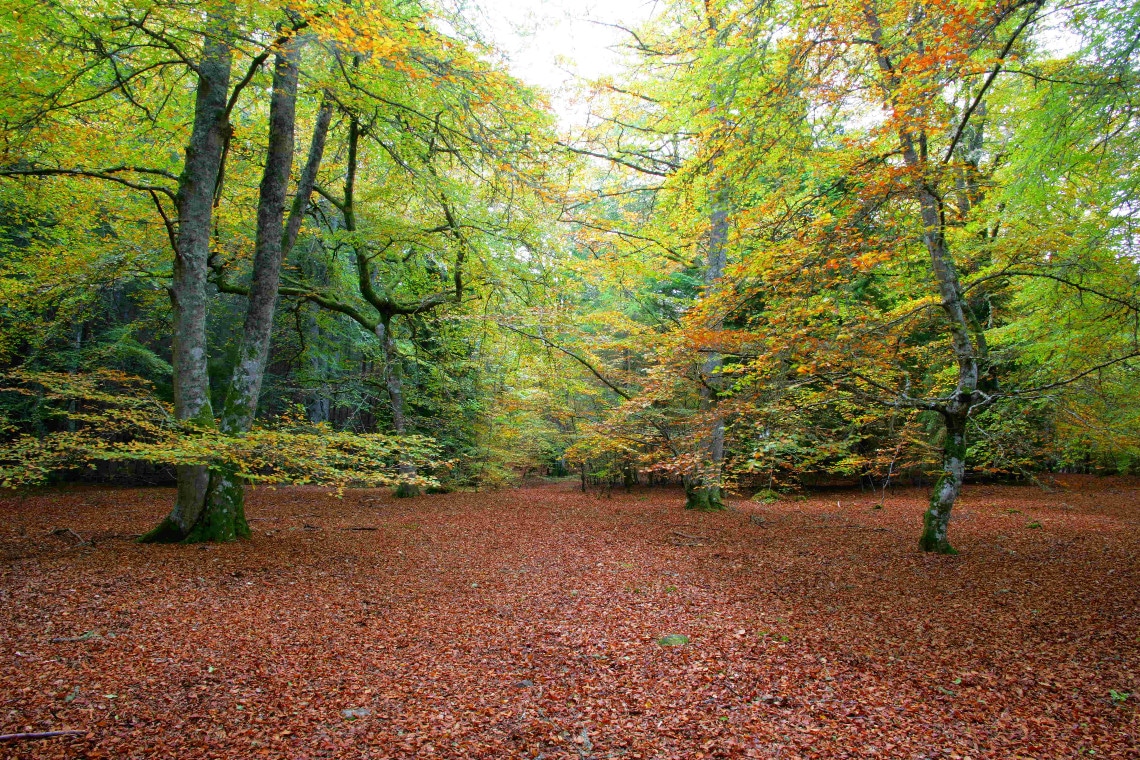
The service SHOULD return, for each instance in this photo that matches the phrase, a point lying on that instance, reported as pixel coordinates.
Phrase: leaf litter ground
(528, 623)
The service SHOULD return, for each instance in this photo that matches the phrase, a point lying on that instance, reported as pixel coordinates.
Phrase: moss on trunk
(935, 525)
(704, 498)
(166, 532)
(223, 518)
(406, 491)
(936, 521)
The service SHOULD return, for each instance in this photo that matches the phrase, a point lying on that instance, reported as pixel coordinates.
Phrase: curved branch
(104, 174)
(616, 160)
(1074, 378)
(1080, 288)
(551, 344)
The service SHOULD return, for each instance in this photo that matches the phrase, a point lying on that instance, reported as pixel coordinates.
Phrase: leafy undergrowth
(529, 623)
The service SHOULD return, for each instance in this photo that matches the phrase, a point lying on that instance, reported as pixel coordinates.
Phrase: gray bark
(224, 516)
(76, 347)
(393, 376)
(308, 181)
(195, 214)
(956, 410)
(210, 506)
(188, 292)
(703, 488)
(936, 520)
(245, 382)
(394, 382)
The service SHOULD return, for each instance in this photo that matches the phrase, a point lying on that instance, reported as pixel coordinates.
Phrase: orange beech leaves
(525, 623)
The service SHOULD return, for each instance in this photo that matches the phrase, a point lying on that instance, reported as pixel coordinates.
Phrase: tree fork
(194, 204)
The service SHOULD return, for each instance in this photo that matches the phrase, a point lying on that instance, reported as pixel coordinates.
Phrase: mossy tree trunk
(195, 208)
(965, 398)
(702, 496)
(936, 520)
(967, 352)
(220, 496)
(703, 488)
(223, 517)
(394, 382)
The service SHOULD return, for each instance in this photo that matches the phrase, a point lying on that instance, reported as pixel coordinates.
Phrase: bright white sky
(557, 44)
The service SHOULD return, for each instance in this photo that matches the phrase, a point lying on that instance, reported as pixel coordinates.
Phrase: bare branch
(110, 175)
(1036, 6)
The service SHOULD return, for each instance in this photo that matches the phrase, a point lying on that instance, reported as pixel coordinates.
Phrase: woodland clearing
(526, 623)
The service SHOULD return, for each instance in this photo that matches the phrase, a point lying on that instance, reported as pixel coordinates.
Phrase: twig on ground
(69, 639)
(65, 531)
(39, 735)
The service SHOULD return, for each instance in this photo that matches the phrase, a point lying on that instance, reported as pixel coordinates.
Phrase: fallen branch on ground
(65, 531)
(39, 735)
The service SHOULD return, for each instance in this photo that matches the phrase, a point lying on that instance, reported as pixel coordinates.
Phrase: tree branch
(990, 80)
(547, 342)
(170, 232)
(1074, 378)
(108, 175)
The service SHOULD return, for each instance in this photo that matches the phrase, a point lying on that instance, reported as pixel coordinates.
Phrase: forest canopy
(341, 243)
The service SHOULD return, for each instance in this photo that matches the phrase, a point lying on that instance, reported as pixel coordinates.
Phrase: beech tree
(127, 63)
(793, 241)
(860, 136)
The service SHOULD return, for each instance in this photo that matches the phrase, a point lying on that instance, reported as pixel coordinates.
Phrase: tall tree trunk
(269, 250)
(393, 375)
(188, 291)
(320, 405)
(223, 516)
(936, 521)
(394, 381)
(956, 410)
(76, 348)
(703, 488)
(320, 408)
(221, 508)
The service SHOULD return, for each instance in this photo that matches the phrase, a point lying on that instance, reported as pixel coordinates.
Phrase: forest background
(793, 243)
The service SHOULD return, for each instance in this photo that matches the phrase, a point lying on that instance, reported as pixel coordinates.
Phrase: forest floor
(526, 623)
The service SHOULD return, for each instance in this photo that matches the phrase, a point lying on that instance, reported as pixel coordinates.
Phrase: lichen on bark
(936, 520)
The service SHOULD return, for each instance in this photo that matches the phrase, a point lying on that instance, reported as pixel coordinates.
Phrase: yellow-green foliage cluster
(108, 416)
